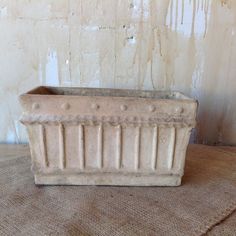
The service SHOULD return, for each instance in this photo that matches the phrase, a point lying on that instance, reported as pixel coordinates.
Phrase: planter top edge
(106, 92)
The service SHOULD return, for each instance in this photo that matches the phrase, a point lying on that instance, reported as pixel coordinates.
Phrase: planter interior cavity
(92, 136)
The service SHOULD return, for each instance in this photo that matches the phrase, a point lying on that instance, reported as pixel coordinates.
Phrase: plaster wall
(184, 45)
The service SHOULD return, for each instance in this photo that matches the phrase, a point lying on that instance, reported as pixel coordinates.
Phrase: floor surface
(205, 204)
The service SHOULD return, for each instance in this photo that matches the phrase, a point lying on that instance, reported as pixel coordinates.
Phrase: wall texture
(185, 45)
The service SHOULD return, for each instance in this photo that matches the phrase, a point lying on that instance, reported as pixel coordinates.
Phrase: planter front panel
(108, 140)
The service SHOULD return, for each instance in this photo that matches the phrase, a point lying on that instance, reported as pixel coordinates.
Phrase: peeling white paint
(131, 40)
(52, 76)
(140, 9)
(3, 12)
(40, 74)
(10, 137)
(16, 124)
(95, 83)
(91, 28)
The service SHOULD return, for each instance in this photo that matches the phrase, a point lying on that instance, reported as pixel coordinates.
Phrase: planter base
(108, 179)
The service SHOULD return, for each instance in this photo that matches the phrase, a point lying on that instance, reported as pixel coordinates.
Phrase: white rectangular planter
(87, 136)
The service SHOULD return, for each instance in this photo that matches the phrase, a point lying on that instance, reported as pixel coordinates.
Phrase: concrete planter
(87, 136)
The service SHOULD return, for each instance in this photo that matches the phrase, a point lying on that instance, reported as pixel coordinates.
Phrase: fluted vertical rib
(100, 146)
(81, 147)
(157, 144)
(119, 148)
(154, 148)
(137, 151)
(62, 146)
(173, 148)
(44, 145)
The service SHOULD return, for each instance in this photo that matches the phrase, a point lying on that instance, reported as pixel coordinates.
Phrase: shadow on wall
(216, 119)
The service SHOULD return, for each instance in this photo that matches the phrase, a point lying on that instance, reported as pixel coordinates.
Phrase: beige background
(185, 45)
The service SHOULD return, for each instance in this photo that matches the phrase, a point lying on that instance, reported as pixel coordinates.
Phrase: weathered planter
(86, 136)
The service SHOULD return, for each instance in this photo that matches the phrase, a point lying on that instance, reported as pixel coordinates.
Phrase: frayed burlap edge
(212, 222)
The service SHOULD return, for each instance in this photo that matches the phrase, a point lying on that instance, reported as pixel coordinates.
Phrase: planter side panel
(108, 148)
(166, 146)
(182, 140)
(112, 147)
(74, 145)
(148, 148)
(38, 150)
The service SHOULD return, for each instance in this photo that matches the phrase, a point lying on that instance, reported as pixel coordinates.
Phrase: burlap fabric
(206, 200)
(225, 228)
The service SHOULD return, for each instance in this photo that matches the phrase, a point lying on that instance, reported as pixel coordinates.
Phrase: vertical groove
(100, 146)
(174, 144)
(62, 146)
(157, 140)
(154, 148)
(44, 145)
(81, 147)
(119, 147)
(137, 151)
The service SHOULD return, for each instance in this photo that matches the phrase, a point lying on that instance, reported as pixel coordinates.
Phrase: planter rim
(57, 91)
